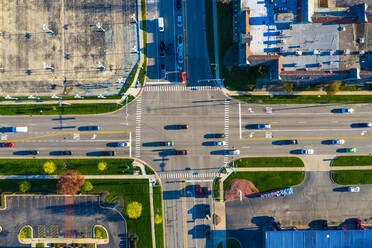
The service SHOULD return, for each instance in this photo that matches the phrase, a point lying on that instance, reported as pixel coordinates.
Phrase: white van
(161, 24)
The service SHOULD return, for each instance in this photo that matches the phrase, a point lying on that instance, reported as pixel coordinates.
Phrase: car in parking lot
(337, 142)
(219, 143)
(207, 231)
(352, 149)
(181, 152)
(353, 189)
(108, 153)
(6, 144)
(178, 4)
(162, 71)
(290, 142)
(307, 151)
(208, 211)
(346, 110)
(263, 126)
(162, 48)
(198, 190)
(179, 21)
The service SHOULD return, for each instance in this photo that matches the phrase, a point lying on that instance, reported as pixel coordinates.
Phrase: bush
(158, 219)
(39, 245)
(88, 186)
(24, 186)
(25, 233)
(134, 210)
(49, 167)
(332, 88)
(102, 166)
(100, 233)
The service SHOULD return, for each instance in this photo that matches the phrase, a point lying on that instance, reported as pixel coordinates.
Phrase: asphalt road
(317, 198)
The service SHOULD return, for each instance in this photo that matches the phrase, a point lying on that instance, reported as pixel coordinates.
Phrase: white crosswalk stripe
(179, 88)
(188, 175)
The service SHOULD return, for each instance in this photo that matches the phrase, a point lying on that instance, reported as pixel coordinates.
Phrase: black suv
(290, 142)
(162, 48)
(109, 153)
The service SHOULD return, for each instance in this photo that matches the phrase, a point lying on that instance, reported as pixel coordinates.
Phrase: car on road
(233, 152)
(179, 21)
(219, 143)
(346, 110)
(163, 74)
(180, 55)
(162, 48)
(181, 77)
(337, 142)
(32, 152)
(66, 153)
(108, 153)
(353, 189)
(166, 143)
(366, 124)
(307, 151)
(178, 4)
(198, 190)
(214, 136)
(179, 40)
(181, 126)
(6, 144)
(290, 142)
(93, 128)
(119, 144)
(263, 126)
(181, 152)
(352, 149)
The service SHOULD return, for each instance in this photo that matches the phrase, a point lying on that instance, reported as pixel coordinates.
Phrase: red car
(181, 78)
(181, 152)
(359, 225)
(198, 190)
(6, 144)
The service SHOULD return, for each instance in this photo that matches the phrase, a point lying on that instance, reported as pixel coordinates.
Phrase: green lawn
(352, 161)
(216, 189)
(100, 233)
(269, 162)
(266, 181)
(130, 80)
(131, 190)
(346, 177)
(54, 109)
(230, 243)
(209, 32)
(158, 209)
(290, 99)
(84, 166)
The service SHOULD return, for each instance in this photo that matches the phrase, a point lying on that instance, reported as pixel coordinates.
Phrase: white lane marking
(305, 130)
(240, 121)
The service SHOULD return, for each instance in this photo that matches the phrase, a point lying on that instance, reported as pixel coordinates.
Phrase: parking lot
(55, 216)
(67, 47)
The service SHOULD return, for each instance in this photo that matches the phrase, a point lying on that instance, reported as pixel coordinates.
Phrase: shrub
(49, 167)
(134, 210)
(332, 88)
(88, 186)
(158, 219)
(24, 186)
(25, 233)
(100, 233)
(102, 166)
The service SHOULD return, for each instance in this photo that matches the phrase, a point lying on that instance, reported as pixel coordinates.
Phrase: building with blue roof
(319, 239)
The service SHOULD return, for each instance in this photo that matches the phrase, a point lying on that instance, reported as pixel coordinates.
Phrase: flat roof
(318, 239)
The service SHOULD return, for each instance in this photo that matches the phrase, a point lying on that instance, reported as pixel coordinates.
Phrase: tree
(70, 182)
(88, 186)
(134, 210)
(158, 219)
(24, 186)
(288, 87)
(332, 88)
(102, 166)
(49, 167)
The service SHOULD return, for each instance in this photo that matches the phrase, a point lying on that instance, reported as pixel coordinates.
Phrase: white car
(307, 151)
(219, 143)
(338, 142)
(233, 152)
(179, 21)
(180, 55)
(353, 189)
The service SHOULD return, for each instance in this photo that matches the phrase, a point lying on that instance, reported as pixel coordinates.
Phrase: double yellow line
(72, 132)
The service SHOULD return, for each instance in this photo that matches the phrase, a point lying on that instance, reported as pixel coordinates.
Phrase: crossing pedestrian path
(179, 88)
(188, 175)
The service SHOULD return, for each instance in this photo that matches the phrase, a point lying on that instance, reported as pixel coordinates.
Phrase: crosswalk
(179, 88)
(188, 175)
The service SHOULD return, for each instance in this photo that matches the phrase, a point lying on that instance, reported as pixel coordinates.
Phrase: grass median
(158, 211)
(268, 162)
(307, 99)
(216, 188)
(352, 161)
(55, 109)
(84, 166)
(266, 181)
(347, 177)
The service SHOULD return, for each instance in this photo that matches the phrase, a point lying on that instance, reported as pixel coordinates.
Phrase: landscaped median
(258, 174)
(348, 170)
(352, 161)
